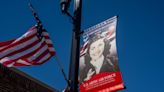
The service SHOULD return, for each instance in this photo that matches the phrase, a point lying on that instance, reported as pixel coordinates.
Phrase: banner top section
(97, 27)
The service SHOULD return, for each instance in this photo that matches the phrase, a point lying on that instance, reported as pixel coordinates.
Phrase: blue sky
(140, 37)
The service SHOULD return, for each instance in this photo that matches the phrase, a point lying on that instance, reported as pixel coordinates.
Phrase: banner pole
(75, 49)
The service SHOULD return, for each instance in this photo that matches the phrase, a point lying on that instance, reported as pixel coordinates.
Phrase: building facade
(13, 80)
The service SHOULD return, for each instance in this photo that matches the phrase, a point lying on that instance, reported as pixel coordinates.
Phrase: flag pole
(34, 13)
(75, 49)
(62, 70)
(40, 24)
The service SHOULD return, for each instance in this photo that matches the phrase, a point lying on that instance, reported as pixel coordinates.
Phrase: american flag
(32, 48)
(84, 49)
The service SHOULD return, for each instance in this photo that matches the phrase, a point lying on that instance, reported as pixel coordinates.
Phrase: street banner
(99, 70)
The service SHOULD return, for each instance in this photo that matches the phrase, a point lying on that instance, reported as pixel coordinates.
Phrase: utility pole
(75, 49)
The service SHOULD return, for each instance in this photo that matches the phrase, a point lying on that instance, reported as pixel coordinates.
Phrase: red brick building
(13, 80)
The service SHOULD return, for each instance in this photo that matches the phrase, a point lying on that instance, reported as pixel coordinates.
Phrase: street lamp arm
(64, 6)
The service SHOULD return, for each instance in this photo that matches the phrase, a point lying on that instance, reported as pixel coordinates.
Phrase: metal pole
(75, 49)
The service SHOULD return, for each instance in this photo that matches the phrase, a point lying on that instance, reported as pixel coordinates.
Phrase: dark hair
(106, 51)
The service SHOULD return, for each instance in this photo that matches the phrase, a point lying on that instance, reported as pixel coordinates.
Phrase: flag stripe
(21, 49)
(35, 54)
(3, 44)
(48, 41)
(17, 57)
(29, 49)
(38, 63)
(44, 58)
(41, 56)
(23, 53)
(19, 46)
(17, 42)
